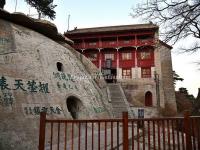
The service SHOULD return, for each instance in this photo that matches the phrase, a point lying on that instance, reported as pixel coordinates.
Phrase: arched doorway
(148, 99)
(74, 106)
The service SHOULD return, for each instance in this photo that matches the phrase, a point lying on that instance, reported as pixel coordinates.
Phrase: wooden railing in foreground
(181, 133)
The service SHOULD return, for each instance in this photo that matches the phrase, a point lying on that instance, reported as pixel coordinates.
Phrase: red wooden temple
(116, 50)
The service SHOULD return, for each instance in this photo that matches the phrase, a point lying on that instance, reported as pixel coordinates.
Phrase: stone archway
(74, 106)
(148, 99)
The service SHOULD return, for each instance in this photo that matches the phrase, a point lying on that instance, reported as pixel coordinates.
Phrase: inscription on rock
(33, 110)
(6, 39)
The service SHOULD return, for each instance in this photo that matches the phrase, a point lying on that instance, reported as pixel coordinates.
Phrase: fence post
(125, 130)
(187, 130)
(42, 131)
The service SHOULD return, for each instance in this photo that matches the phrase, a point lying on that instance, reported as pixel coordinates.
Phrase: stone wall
(30, 83)
(135, 90)
(167, 80)
(163, 92)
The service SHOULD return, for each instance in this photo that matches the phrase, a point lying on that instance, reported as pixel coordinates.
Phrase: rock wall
(38, 74)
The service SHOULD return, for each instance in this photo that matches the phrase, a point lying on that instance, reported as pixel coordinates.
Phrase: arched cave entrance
(148, 99)
(74, 106)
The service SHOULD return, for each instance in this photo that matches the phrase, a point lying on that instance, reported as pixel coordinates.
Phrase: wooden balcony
(126, 43)
(114, 44)
(90, 45)
(141, 42)
(109, 44)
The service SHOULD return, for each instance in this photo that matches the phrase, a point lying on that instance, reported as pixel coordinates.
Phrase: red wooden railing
(181, 133)
(114, 43)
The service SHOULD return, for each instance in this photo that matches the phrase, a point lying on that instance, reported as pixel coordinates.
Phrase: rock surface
(39, 74)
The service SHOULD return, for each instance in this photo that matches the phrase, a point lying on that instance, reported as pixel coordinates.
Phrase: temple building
(133, 56)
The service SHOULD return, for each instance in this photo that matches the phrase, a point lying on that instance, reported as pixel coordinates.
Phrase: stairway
(118, 100)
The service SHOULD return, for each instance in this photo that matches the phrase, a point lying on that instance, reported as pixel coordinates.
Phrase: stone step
(118, 104)
(115, 93)
(119, 108)
(118, 100)
(116, 96)
(114, 89)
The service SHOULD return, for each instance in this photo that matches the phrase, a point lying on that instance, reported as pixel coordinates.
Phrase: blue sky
(93, 13)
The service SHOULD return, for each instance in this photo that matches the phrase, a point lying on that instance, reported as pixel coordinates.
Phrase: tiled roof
(113, 28)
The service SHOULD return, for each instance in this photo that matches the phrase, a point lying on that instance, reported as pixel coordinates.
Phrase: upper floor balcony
(115, 43)
(143, 42)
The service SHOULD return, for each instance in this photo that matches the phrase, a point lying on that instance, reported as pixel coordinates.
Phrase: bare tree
(178, 19)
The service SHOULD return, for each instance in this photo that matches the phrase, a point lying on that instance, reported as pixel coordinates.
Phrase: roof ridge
(116, 26)
(113, 28)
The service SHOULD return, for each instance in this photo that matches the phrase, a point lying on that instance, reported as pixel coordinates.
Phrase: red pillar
(117, 57)
(83, 44)
(117, 62)
(136, 57)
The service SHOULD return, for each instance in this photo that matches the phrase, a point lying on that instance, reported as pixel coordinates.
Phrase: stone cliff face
(38, 74)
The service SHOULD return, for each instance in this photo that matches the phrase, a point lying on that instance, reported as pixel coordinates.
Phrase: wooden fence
(181, 133)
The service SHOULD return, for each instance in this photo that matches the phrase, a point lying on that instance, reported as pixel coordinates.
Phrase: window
(145, 55)
(126, 73)
(92, 56)
(126, 56)
(109, 56)
(59, 66)
(148, 99)
(146, 72)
